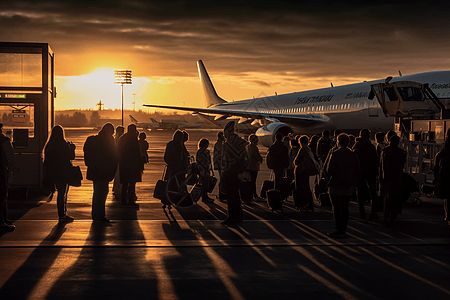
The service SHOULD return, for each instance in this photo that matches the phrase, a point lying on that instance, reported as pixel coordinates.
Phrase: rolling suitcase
(267, 185)
(160, 191)
(275, 200)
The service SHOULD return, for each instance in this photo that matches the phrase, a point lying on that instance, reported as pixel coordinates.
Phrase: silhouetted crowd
(341, 168)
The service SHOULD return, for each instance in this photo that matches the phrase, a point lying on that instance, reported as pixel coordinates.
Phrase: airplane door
(372, 108)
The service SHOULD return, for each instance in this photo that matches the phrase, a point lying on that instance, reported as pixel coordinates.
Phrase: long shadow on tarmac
(109, 272)
(26, 278)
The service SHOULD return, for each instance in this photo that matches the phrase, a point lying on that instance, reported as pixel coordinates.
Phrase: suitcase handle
(164, 173)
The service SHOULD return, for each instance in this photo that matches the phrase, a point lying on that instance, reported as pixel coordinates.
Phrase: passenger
(174, 156)
(313, 145)
(254, 162)
(143, 147)
(278, 159)
(368, 161)
(117, 186)
(388, 136)
(57, 156)
(333, 138)
(324, 146)
(120, 130)
(352, 141)
(379, 139)
(203, 158)
(6, 173)
(293, 151)
(101, 158)
(234, 162)
(287, 142)
(302, 179)
(393, 160)
(186, 155)
(343, 171)
(130, 165)
(442, 176)
(217, 161)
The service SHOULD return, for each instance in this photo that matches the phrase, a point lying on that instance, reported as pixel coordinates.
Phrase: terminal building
(27, 92)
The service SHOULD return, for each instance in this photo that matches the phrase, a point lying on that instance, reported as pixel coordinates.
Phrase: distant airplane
(166, 124)
(346, 107)
(179, 124)
(147, 126)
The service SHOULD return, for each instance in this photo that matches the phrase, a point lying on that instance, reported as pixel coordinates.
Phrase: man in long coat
(393, 161)
(130, 165)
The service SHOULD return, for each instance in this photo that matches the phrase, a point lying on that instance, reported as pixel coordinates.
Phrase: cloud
(305, 39)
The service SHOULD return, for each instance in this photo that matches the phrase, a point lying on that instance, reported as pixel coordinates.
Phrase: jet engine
(266, 134)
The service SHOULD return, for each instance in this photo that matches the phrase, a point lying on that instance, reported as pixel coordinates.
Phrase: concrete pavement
(188, 254)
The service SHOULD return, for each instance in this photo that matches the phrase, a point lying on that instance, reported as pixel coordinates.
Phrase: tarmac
(185, 253)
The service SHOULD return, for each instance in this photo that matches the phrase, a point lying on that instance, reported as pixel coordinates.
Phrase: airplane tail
(133, 119)
(211, 97)
(153, 120)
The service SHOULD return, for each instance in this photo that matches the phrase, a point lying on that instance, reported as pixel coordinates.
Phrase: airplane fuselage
(344, 107)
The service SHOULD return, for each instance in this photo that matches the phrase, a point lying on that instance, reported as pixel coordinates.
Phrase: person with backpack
(278, 159)
(234, 162)
(442, 177)
(101, 159)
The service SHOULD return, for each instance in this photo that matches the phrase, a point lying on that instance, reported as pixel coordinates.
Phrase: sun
(85, 91)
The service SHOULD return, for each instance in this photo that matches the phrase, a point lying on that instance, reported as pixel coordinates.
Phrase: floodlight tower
(122, 77)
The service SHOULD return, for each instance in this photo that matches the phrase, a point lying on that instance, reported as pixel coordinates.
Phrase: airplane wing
(298, 119)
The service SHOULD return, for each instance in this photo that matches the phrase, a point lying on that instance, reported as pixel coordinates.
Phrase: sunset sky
(249, 48)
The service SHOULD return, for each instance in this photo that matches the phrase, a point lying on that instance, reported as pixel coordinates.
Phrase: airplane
(179, 124)
(165, 124)
(346, 107)
(147, 126)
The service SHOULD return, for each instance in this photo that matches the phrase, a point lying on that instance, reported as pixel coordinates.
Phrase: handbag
(74, 176)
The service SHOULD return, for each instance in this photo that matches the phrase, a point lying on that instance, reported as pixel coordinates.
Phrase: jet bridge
(421, 119)
(27, 92)
(408, 102)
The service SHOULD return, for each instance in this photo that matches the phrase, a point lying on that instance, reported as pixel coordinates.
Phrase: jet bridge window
(390, 95)
(410, 93)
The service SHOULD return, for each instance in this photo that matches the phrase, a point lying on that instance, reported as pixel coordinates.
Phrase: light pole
(122, 77)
